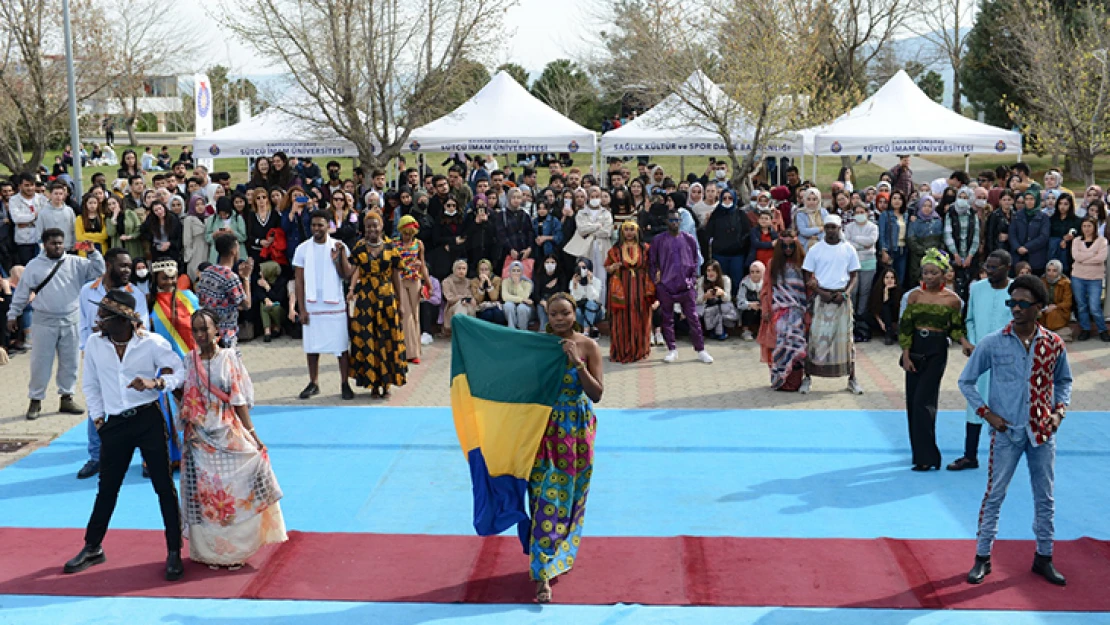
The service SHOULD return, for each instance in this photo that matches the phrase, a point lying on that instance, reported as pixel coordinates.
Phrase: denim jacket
(888, 232)
(551, 227)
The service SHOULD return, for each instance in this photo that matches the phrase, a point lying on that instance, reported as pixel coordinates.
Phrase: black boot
(89, 556)
(981, 569)
(1042, 565)
(174, 567)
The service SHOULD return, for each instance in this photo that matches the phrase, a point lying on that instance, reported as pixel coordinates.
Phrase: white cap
(833, 219)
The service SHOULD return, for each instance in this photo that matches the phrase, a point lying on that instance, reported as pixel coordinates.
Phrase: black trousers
(119, 437)
(923, 394)
(429, 316)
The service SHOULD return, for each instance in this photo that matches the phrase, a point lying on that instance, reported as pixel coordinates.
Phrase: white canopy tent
(272, 131)
(671, 128)
(900, 119)
(503, 118)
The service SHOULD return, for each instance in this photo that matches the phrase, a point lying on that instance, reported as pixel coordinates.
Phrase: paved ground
(736, 380)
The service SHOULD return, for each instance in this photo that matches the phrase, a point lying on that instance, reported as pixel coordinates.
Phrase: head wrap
(168, 267)
(516, 264)
(408, 221)
(933, 256)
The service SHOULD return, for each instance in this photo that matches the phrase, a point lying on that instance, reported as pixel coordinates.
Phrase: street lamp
(74, 129)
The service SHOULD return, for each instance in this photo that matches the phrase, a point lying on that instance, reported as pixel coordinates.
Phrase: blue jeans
(518, 315)
(589, 316)
(1088, 298)
(898, 263)
(735, 267)
(1007, 448)
(541, 313)
(94, 442)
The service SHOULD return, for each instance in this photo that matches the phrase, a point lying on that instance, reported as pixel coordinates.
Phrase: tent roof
(670, 127)
(271, 131)
(900, 119)
(502, 117)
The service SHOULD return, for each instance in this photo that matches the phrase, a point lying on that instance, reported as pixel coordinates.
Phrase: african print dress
(560, 482)
(629, 304)
(377, 336)
(782, 334)
(229, 495)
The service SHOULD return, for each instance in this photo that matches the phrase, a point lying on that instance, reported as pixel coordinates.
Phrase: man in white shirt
(25, 208)
(125, 370)
(831, 268)
(117, 276)
(321, 265)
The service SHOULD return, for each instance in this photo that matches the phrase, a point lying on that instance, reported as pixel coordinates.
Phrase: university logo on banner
(415, 145)
(836, 147)
(204, 100)
(573, 146)
(214, 150)
(1000, 147)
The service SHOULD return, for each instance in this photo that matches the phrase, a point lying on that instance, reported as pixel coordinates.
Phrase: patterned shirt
(219, 288)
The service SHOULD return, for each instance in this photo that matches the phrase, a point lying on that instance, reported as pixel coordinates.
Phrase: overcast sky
(544, 31)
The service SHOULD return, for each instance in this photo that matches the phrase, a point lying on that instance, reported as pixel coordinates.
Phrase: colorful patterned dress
(560, 482)
(782, 334)
(377, 336)
(631, 318)
(229, 495)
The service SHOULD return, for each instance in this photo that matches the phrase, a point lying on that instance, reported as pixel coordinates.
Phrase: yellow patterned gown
(377, 336)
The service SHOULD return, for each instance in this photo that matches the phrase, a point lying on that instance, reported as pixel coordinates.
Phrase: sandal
(543, 592)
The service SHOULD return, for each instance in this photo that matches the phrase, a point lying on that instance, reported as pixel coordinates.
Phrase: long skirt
(830, 350)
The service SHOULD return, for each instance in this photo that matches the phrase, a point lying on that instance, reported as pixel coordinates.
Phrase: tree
(760, 54)
(852, 33)
(981, 75)
(33, 94)
(565, 87)
(226, 95)
(459, 86)
(370, 70)
(943, 23)
(933, 85)
(1061, 72)
(518, 73)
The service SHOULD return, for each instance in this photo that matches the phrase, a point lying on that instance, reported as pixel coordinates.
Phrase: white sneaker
(651, 338)
(671, 356)
(854, 387)
(426, 339)
(804, 387)
(659, 338)
(705, 357)
(747, 336)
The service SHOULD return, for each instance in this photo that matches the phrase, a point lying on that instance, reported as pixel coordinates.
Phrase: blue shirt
(1011, 368)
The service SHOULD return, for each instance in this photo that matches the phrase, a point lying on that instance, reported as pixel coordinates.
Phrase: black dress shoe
(348, 394)
(1042, 565)
(266, 338)
(1083, 335)
(174, 567)
(981, 569)
(963, 463)
(309, 391)
(1105, 336)
(91, 468)
(89, 556)
(34, 409)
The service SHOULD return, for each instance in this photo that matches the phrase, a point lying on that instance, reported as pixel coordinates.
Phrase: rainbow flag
(504, 384)
(178, 329)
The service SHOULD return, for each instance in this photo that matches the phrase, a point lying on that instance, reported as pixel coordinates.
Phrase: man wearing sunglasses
(1029, 393)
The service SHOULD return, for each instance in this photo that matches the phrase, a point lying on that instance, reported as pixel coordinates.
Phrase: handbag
(618, 298)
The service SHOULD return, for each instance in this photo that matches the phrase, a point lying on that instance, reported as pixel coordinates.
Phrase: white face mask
(980, 203)
(595, 202)
(726, 204)
(583, 271)
(550, 267)
(861, 218)
(962, 203)
(526, 204)
(720, 173)
(141, 273)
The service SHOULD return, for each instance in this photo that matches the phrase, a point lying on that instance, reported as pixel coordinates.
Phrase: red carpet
(685, 570)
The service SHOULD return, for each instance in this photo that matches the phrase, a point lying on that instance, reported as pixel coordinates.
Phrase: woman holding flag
(564, 464)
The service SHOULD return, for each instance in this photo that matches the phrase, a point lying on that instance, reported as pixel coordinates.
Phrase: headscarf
(196, 206)
(731, 194)
(483, 263)
(965, 194)
(210, 192)
(933, 256)
(1059, 271)
(921, 204)
(515, 264)
(454, 280)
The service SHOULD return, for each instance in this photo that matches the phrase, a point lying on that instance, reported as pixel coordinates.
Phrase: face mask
(860, 219)
(449, 213)
(141, 273)
(962, 203)
(550, 267)
(980, 203)
(595, 202)
(583, 272)
(726, 204)
(526, 205)
(720, 173)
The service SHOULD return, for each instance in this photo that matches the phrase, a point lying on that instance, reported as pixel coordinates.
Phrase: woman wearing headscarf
(728, 232)
(631, 292)
(516, 293)
(414, 274)
(926, 232)
(783, 300)
(931, 317)
(193, 237)
(1029, 232)
(377, 336)
(961, 238)
(457, 298)
(593, 234)
(486, 291)
(809, 222)
(448, 242)
(1057, 315)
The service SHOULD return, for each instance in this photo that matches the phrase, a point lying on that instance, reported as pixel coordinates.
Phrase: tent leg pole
(967, 163)
(682, 166)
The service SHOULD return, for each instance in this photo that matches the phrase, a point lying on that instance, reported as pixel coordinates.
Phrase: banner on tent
(690, 147)
(498, 146)
(299, 149)
(835, 146)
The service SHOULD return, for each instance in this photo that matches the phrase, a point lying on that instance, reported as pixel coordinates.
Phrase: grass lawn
(1038, 164)
(827, 167)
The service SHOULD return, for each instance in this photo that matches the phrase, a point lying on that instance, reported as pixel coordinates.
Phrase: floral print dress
(229, 495)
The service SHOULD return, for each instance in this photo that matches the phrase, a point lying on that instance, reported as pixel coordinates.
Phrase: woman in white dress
(229, 495)
(593, 227)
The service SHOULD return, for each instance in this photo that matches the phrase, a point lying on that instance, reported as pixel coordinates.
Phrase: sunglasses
(1022, 304)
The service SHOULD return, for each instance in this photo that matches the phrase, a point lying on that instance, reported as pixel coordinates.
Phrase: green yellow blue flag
(504, 383)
